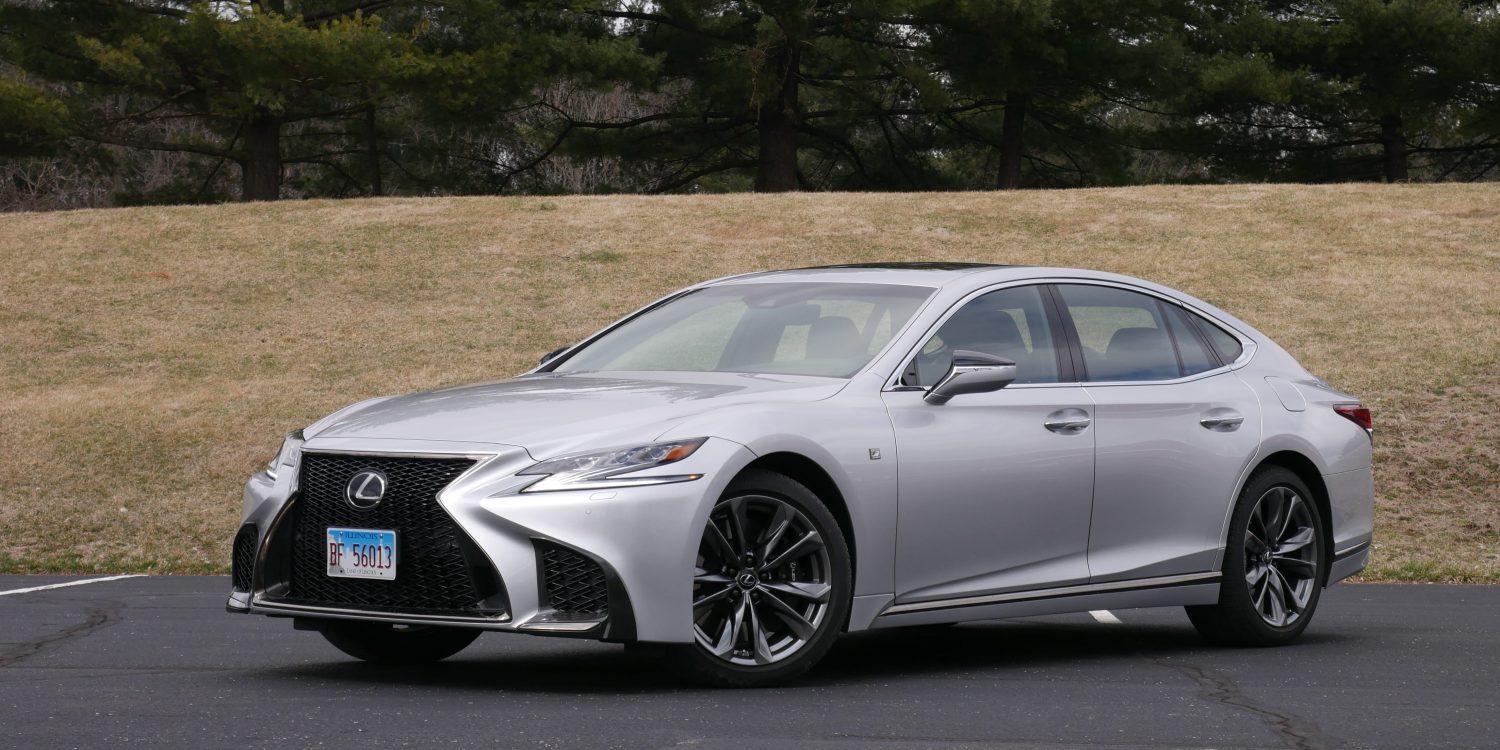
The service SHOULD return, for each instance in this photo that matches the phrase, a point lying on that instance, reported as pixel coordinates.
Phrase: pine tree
(279, 82)
(1058, 68)
(788, 93)
(1345, 89)
(29, 117)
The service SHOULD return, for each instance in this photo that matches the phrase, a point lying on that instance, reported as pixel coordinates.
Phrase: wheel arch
(1307, 471)
(812, 475)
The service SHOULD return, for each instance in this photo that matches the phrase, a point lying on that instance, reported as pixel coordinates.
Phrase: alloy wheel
(1281, 556)
(762, 585)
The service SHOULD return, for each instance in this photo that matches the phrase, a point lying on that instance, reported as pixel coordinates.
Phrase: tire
(1268, 596)
(790, 594)
(382, 643)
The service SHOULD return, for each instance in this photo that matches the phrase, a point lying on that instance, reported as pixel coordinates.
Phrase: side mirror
(549, 356)
(972, 372)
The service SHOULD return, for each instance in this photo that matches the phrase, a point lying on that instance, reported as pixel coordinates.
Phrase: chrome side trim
(1247, 344)
(1019, 596)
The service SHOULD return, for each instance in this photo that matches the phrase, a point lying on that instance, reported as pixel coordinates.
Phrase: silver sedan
(738, 472)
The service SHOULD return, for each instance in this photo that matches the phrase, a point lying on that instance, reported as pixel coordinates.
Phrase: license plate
(361, 553)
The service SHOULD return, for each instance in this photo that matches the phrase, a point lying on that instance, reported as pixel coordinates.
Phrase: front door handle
(1067, 421)
(1222, 420)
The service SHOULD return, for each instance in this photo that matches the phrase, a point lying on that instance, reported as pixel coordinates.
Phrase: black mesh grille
(437, 567)
(242, 565)
(572, 583)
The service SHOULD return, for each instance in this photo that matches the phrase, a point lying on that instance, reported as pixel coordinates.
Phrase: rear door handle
(1067, 421)
(1222, 420)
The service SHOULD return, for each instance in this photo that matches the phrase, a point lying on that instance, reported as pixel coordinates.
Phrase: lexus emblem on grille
(366, 489)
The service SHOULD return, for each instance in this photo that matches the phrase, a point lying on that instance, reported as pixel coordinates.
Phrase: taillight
(1357, 414)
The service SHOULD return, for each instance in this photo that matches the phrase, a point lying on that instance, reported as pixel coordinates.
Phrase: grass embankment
(150, 359)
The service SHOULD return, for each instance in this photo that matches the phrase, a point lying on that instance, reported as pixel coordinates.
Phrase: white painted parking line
(70, 583)
(1105, 616)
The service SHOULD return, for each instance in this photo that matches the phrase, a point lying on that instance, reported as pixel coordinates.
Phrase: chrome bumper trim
(1348, 563)
(1356, 549)
(279, 608)
(559, 627)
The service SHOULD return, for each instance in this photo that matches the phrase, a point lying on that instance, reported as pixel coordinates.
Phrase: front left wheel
(771, 589)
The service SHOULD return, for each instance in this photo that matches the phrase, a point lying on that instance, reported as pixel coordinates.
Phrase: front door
(995, 488)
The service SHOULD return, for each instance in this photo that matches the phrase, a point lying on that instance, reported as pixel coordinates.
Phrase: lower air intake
(572, 583)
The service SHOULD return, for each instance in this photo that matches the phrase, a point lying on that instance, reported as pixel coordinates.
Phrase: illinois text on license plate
(361, 553)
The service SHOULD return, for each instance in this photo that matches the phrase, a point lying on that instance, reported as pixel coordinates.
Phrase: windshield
(784, 328)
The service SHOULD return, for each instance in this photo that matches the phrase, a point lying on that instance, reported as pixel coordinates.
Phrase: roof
(919, 273)
(915, 265)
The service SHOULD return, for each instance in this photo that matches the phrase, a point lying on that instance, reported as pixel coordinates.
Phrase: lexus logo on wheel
(366, 489)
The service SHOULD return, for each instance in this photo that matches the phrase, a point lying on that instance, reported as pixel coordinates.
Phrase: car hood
(552, 414)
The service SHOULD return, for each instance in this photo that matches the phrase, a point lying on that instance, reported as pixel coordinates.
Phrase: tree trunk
(372, 145)
(1393, 141)
(260, 172)
(777, 121)
(1012, 149)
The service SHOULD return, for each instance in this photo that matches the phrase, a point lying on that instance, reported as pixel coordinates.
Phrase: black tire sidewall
(1235, 603)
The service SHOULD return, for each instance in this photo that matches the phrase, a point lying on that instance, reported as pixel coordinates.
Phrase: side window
(1195, 355)
(1010, 323)
(1123, 334)
(1227, 345)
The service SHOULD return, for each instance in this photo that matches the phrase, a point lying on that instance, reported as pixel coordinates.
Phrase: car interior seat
(1137, 354)
(834, 337)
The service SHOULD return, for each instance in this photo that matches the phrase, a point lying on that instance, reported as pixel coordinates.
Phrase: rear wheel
(1274, 565)
(771, 587)
(383, 643)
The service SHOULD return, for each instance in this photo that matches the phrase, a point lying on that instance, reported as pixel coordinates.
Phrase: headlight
(287, 456)
(605, 469)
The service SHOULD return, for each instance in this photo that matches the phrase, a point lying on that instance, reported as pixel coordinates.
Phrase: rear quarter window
(1225, 343)
(1191, 348)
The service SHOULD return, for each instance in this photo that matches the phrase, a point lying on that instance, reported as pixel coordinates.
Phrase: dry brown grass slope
(151, 358)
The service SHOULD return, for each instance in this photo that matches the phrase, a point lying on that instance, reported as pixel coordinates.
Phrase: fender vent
(242, 564)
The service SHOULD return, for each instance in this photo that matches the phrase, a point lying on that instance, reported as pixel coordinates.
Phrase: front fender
(852, 441)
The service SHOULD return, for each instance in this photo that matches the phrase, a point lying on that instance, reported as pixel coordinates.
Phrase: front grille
(439, 570)
(572, 583)
(242, 561)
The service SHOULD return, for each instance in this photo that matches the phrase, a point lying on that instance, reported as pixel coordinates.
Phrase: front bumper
(645, 540)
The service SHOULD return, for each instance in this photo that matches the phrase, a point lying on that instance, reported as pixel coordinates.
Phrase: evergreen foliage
(261, 99)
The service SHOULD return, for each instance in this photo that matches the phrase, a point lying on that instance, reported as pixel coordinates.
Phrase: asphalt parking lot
(155, 661)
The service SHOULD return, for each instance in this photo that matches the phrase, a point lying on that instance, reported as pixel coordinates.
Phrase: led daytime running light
(599, 470)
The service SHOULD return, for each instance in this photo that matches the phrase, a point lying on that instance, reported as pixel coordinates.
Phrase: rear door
(1174, 431)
